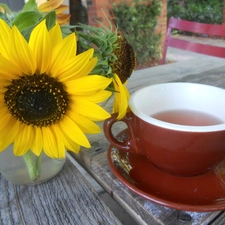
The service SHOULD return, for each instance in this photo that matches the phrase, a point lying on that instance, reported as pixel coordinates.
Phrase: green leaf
(49, 22)
(50, 19)
(30, 5)
(6, 8)
(3, 16)
(26, 19)
(26, 33)
(66, 30)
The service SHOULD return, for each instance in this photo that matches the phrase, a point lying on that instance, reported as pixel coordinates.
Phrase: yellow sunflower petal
(8, 69)
(121, 98)
(55, 35)
(10, 132)
(50, 5)
(41, 46)
(69, 144)
(75, 148)
(4, 83)
(51, 145)
(23, 140)
(87, 85)
(5, 116)
(80, 66)
(73, 132)
(61, 153)
(61, 54)
(61, 9)
(97, 97)
(49, 142)
(20, 53)
(37, 145)
(86, 125)
(2, 103)
(89, 109)
(63, 18)
(4, 37)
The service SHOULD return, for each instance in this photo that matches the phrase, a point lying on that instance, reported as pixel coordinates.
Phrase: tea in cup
(178, 127)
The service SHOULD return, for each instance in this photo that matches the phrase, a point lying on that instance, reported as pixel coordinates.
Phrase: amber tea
(187, 117)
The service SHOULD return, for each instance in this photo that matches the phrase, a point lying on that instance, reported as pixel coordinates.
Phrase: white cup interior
(179, 96)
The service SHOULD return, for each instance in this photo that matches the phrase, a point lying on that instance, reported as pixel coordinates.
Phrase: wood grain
(66, 199)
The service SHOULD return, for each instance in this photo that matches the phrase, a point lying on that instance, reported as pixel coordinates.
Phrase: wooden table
(66, 199)
(207, 71)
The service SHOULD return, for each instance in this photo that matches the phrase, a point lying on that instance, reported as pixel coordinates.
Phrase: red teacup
(191, 139)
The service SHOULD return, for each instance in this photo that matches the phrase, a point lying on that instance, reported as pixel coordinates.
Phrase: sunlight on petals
(121, 98)
(5, 33)
(88, 85)
(70, 71)
(49, 143)
(37, 145)
(65, 50)
(2, 106)
(41, 47)
(8, 69)
(53, 147)
(90, 110)
(20, 53)
(69, 144)
(86, 125)
(74, 132)
(74, 66)
(5, 117)
(55, 35)
(10, 132)
(97, 97)
(61, 153)
(23, 140)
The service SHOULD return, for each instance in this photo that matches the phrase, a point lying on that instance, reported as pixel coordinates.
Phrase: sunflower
(121, 98)
(116, 59)
(122, 68)
(56, 5)
(48, 101)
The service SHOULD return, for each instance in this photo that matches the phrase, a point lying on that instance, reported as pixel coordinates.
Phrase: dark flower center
(126, 59)
(38, 100)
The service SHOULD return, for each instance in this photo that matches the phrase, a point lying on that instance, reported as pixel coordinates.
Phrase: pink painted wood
(196, 28)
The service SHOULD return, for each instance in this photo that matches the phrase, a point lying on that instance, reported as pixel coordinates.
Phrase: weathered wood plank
(66, 199)
(171, 72)
(220, 219)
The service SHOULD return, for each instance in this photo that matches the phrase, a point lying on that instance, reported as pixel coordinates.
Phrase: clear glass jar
(28, 169)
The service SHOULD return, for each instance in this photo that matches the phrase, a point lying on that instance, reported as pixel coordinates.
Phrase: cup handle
(128, 145)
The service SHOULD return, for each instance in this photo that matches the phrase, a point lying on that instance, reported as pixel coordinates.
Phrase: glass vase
(28, 169)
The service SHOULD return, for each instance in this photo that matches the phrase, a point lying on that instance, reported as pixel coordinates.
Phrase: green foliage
(29, 17)
(104, 42)
(137, 21)
(204, 11)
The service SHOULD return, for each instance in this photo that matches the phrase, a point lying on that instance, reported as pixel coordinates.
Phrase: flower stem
(38, 166)
(32, 166)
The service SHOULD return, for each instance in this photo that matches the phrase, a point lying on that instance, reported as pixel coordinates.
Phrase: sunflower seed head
(125, 63)
(114, 53)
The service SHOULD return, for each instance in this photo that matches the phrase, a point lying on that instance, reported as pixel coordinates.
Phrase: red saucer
(197, 193)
